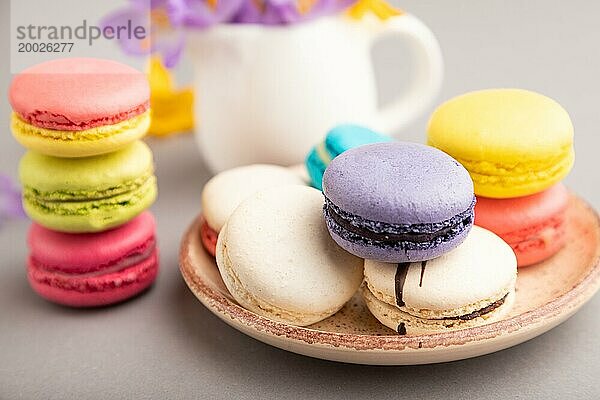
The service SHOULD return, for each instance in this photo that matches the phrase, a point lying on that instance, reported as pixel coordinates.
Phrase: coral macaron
(513, 142)
(397, 202)
(79, 107)
(534, 226)
(93, 269)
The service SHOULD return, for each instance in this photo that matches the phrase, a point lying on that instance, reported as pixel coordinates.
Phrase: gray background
(165, 344)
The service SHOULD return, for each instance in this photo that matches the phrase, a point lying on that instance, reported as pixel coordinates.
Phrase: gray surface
(166, 345)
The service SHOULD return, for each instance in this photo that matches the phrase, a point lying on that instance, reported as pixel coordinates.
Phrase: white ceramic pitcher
(267, 94)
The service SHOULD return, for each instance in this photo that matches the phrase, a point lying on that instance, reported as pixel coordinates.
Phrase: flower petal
(138, 17)
(278, 12)
(170, 47)
(200, 14)
(10, 199)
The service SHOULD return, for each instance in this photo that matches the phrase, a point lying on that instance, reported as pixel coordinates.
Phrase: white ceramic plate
(547, 294)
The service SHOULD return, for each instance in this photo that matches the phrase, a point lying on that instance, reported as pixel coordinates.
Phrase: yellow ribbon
(380, 8)
(172, 108)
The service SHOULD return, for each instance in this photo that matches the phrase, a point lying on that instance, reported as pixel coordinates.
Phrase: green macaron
(88, 194)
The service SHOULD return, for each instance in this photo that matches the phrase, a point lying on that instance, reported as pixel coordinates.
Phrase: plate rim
(222, 306)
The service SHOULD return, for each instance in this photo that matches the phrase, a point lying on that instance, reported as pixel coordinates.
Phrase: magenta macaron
(93, 269)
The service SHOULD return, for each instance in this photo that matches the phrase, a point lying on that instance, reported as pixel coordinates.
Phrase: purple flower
(169, 18)
(327, 7)
(281, 12)
(163, 38)
(203, 13)
(267, 12)
(138, 13)
(10, 200)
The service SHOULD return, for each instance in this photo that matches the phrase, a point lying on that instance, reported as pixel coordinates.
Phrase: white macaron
(277, 259)
(469, 286)
(225, 191)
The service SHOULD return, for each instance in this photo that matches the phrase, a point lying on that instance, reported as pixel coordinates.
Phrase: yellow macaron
(513, 142)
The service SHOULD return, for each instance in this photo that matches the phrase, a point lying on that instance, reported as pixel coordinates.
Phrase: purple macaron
(398, 202)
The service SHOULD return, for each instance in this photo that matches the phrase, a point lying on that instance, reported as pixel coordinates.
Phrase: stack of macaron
(87, 179)
(517, 146)
(408, 210)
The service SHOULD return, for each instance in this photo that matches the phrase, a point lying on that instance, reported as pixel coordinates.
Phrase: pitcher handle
(428, 72)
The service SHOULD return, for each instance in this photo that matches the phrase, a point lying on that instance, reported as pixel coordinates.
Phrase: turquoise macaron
(338, 140)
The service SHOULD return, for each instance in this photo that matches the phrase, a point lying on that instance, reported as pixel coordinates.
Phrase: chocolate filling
(401, 276)
(423, 264)
(483, 311)
(401, 271)
(394, 233)
(401, 328)
(467, 317)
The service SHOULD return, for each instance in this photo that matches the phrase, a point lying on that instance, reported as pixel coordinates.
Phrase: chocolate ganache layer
(483, 311)
(475, 314)
(359, 228)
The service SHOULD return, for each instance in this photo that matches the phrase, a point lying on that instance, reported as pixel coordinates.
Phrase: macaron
(472, 285)
(225, 191)
(513, 142)
(93, 269)
(277, 259)
(337, 141)
(88, 194)
(79, 107)
(397, 202)
(534, 226)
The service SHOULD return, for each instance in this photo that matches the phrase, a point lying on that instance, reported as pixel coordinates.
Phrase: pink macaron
(79, 107)
(74, 94)
(534, 226)
(93, 269)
